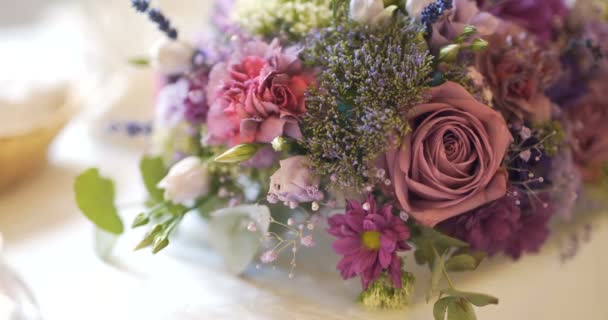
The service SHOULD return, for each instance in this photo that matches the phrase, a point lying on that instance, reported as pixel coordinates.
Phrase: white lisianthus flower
(370, 11)
(414, 7)
(172, 56)
(186, 181)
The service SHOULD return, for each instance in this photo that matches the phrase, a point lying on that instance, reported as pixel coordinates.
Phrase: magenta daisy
(369, 238)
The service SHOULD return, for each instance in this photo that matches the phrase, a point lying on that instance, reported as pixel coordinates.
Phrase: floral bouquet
(455, 129)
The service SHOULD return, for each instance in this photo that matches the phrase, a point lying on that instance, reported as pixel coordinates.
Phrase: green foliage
(152, 172)
(382, 293)
(443, 254)
(371, 78)
(239, 153)
(139, 62)
(95, 198)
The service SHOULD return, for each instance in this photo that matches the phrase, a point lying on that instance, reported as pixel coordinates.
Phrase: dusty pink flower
(541, 17)
(369, 238)
(518, 71)
(294, 182)
(257, 95)
(586, 118)
(450, 162)
(463, 13)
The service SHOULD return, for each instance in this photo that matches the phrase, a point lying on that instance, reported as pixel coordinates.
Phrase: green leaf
(461, 309)
(149, 238)
(478, 299)
(461, 262)
(467, 32)
(441, 306)
(229, 236)
(239, 153)
(159, 244)
(140, 220)
(95, 198)
(152, 172)
(139, 61)
(440, 240)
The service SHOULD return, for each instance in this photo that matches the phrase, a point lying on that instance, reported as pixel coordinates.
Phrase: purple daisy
(369, 237)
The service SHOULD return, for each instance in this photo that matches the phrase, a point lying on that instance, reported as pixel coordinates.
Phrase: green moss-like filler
(382, 294)
(552, 136)
(290, 18)
(370, 78)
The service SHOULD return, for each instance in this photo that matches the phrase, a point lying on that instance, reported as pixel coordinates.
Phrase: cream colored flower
(186, 181)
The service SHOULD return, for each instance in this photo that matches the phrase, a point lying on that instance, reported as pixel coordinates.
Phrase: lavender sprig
(156, 16)
(431, 13)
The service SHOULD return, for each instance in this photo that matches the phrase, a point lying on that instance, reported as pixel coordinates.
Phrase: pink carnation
(369, 237)
(257, 95)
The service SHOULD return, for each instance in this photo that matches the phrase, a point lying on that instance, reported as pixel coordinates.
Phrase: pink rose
(257, 95)
(450, 162)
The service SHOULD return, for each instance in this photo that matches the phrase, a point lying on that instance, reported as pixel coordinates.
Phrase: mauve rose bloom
(518, 71)
(294, 182)
(450, 162)
(540, 17)
(257, 96)
(451, 25)
(586, 119)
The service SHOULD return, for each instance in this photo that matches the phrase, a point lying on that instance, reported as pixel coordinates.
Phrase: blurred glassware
(16, 299)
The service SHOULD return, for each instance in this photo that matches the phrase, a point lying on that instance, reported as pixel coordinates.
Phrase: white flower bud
(370, 11)
(172, 56)
(186, 181)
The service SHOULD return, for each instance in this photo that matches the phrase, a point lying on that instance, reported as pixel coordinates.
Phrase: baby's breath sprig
(292, 234)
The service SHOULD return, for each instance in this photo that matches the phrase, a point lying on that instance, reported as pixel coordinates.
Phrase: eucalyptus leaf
(462, 262)
(461, 309)
(441, 306)
(95, 198)
(152, 172)
(441, 240)
(229, 236)
(478, 299)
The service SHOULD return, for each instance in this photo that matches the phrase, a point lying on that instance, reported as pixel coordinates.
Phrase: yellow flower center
(371, 240)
